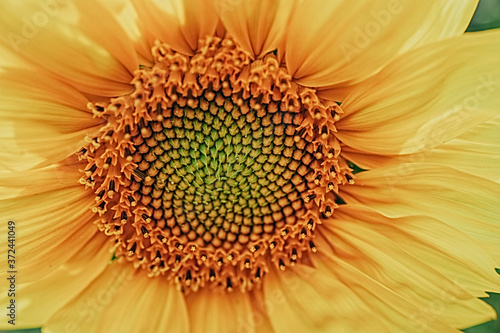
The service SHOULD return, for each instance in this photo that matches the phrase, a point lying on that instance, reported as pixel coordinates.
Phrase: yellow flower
(249, 166)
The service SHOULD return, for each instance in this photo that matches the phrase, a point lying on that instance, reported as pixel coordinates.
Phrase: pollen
(217, 167)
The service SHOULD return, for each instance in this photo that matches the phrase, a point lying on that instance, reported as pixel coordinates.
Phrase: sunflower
(249, 166)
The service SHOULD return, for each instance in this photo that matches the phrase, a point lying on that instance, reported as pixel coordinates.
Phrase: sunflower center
(214, 168)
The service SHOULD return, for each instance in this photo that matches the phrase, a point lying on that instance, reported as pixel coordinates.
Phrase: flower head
(251, 166)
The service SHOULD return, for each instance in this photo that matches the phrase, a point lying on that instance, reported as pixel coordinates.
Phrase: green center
(219, 175)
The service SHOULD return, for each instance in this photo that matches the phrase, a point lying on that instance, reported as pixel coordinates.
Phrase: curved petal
(26, 147)
(127, 17)
(50, 223)
(477, 152)
(42, 298)
(179, 23)
(10, 59)
(133, 301)
(78, 42)
(339, 43)
(95, 18)
(336, 297)
(258, 26)
(31, 182)
(42, 120)
(425, 98)
(220, 311)
(261, 322)
(463, 201)
(34, 85)
(426, 270)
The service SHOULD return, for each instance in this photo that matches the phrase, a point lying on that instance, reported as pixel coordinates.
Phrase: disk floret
(215, 167)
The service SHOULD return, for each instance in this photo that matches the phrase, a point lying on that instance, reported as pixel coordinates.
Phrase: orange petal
(38, 86)
(338, 43)
(261, 320)
(30, 182)
(95, 18)
(179, 23)
(216, 311)
(258, 26)
(127, 17)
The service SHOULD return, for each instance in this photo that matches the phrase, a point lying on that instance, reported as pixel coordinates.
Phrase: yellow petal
(341, 43)
(463, 201)
(38, 300)
(179, 23)
(121, 300)
(51, 227)
(9, 59)
(70, 41)
(426, 97)
(258, 26)
(477, 152)
(336, 297)
(388, 251)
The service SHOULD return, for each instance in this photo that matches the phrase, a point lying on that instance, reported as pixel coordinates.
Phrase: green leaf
(487, 16)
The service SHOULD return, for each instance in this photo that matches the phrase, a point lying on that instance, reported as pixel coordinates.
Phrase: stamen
(310, 197)
(131, 251)
(282, 265)
(312, 246)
